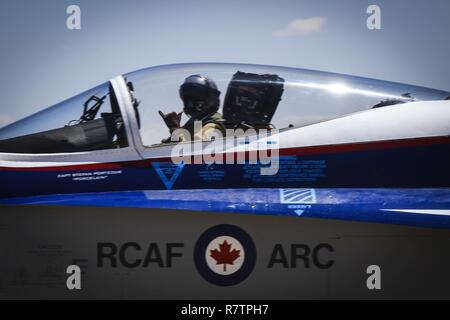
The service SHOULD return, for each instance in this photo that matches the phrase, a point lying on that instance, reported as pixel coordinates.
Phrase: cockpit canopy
(265, 96)
(251, 95)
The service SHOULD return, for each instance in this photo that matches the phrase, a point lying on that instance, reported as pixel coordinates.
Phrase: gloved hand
(172, 120)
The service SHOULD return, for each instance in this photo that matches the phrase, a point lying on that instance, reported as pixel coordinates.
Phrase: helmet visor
(194, 92)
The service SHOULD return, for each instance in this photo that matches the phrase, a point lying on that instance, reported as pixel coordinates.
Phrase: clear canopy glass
(281, 97)
(87, 122)
(308, 97)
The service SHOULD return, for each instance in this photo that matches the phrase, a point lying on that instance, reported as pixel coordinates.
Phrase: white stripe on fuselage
(405, 121)
(438, 212)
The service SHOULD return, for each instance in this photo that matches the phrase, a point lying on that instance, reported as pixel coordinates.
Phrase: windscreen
(87, 122)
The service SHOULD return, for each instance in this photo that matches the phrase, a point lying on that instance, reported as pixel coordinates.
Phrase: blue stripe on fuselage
(418, 167)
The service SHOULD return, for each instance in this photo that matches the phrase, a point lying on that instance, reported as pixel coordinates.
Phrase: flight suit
(212, 127)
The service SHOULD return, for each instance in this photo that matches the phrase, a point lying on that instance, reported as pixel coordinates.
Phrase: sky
(43, 62)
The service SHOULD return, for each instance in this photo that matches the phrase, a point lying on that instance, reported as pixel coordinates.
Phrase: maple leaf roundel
(225, 255)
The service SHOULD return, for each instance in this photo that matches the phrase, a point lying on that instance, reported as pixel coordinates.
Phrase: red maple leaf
(225, 255)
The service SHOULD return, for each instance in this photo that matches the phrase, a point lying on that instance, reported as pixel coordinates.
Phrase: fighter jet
(282, 141)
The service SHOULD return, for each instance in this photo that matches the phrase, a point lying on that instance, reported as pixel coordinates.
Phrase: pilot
(201, 103)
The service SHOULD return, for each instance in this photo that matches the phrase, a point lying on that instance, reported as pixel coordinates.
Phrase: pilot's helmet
(199, 95)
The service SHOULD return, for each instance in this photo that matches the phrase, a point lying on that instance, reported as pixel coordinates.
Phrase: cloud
(299, 27)
(5, 120)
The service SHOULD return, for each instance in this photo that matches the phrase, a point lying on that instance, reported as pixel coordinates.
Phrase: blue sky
(43, 63)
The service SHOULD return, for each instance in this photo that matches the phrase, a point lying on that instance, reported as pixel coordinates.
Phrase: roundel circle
(225, 255)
